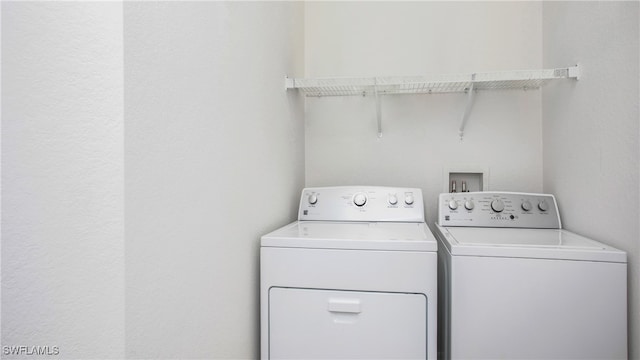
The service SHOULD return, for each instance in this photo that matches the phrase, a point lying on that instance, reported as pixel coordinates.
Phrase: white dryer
(353, 278)
(514, 285)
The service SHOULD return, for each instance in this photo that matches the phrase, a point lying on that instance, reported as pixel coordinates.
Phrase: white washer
(514, 285)
(353, 278)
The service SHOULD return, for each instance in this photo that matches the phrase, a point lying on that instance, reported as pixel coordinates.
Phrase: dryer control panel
(361, 203)
(498, 209)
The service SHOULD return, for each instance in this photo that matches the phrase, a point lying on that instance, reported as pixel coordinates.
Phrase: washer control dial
(393, 199)
(313, 199)
(497, 205)
(543, 206)
(469, 205)
(526, 205)
(453, 204)
(360, 199)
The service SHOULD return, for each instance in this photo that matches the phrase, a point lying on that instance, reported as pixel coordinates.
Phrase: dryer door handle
(344, 305)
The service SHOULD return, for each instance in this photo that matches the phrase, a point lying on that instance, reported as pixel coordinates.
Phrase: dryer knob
(543, 206)
(359, 199)
(408, 199)
(453, 205)
(313, 199)
(497, 205)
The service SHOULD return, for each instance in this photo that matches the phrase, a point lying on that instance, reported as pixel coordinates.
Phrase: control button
(359, 199)
(497, 205)
(393, 199)
(542, 205)
(408, 199)
(469, 205)
(313, 199)
(526, 205)
(453, 205)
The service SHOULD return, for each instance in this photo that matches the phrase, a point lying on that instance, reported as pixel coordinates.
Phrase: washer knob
(497, 205)
(313, 199)
(543, 206)
(360, 199)
(453, 205)
(393, 199)
(526, 205)
(408, 199)
(469, 205)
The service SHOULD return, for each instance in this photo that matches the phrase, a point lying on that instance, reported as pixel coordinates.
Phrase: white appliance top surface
(410, 236)
(527, 243)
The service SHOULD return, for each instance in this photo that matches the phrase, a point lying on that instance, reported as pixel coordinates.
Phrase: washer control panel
(361, 203)
(498, 209)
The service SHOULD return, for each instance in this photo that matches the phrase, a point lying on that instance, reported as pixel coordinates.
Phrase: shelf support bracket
(289, 83)
(574, 71)
(378, 110)
(467, 108)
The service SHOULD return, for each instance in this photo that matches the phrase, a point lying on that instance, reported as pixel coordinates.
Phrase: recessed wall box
(466, 179)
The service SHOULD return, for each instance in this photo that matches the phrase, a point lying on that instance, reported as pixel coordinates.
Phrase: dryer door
(326, 324)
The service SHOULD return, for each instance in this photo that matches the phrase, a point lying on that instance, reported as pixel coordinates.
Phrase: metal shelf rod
(467, 111)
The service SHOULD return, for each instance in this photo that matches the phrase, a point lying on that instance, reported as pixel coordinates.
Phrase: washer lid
(527, 243)
(353, 235)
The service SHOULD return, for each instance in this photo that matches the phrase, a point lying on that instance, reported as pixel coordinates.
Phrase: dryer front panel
(328, 324)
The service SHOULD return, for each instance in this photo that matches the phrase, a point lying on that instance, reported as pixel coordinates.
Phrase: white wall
(214, 159)
(591, 148)
(211, 159)
(62, 178)
(420, 132)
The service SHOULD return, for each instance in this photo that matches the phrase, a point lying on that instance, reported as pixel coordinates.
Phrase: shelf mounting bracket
(467, 108)
(574, 71)
(289, 83)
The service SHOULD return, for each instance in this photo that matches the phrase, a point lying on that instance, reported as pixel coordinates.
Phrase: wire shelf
(434, 84)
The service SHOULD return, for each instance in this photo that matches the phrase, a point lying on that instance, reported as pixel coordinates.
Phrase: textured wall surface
(591, 129)
(214, 159)
(62, 178)
(420, 132)
(213, 153)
